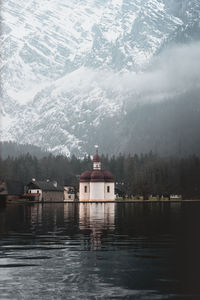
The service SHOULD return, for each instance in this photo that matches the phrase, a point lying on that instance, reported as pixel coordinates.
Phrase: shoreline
(115, 201)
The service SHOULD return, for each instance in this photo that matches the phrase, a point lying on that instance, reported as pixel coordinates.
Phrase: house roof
(96, 158)
(45, 186)
(96, 176)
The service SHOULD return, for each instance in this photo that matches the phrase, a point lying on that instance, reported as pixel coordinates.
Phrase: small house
(69, 193)
(46, 191)
(11, 190)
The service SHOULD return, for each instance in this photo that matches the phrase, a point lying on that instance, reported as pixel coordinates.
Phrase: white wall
(96, 190)
(69, 193)
(96, 166)
(68, 196)
(35, 192)
(111, 194)
(82, 195)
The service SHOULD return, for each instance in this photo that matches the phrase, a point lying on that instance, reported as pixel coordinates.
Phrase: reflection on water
(97, 220)
(100, 251)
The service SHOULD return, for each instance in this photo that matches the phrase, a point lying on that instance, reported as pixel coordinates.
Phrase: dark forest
(143, 174)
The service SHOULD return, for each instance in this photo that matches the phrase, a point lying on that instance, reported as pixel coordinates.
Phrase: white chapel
(96, 184)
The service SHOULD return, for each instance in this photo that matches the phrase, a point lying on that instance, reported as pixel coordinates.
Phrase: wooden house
(45, 191)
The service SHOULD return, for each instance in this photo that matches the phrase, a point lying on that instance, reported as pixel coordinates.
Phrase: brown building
(46, 191)
(11, 190)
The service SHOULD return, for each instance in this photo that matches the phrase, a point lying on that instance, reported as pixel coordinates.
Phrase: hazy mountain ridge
(166, 128)
(13, 149)
(63, 64)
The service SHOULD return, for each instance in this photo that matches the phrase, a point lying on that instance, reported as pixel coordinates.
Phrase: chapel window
(108, 189)
(85, 189)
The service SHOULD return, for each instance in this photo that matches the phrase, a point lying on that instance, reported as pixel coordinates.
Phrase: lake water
(100, 251)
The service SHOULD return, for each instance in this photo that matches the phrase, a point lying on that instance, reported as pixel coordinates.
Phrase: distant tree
(143, 174)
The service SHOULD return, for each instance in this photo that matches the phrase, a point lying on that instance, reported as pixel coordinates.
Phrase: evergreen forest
(143, 174)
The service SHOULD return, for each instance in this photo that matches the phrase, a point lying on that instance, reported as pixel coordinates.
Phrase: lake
(100, 251)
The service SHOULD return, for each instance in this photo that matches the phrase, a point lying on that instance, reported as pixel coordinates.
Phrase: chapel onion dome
(85, 176)
(97, 176)
(96, 158)
(108, 177)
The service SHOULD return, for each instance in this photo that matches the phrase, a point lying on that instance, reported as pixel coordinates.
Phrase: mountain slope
(65, 66)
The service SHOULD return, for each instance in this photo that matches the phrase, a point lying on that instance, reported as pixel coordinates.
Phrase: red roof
(108, 176)
(96, 176)
(96, 158)
(85, 176)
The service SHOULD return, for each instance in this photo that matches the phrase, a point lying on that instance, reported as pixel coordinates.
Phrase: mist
(173, 72)
(161, 105)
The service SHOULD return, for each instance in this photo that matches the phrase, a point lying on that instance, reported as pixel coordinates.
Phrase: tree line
(143, 174)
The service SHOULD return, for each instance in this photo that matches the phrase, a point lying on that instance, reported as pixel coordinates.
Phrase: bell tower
(96, 160)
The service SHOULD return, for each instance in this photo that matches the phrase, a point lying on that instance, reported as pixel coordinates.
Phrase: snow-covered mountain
(65, 64)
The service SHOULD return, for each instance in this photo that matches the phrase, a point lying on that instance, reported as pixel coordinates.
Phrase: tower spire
(97, 148)
(96, 160)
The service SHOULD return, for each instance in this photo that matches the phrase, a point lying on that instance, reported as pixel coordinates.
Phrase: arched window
(108, 189)
(85, 189)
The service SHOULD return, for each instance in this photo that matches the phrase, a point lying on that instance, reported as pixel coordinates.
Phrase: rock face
(63, 64)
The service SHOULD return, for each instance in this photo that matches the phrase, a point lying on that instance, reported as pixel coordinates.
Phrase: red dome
(96, 158)
(85, 176)
(108, 176)
(97, 176)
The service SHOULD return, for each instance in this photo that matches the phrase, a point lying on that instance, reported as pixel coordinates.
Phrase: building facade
(48, 191)
(96, 184)
(69, 193)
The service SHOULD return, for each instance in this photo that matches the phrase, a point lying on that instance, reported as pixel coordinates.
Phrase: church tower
(96, 160)
(96, 184)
